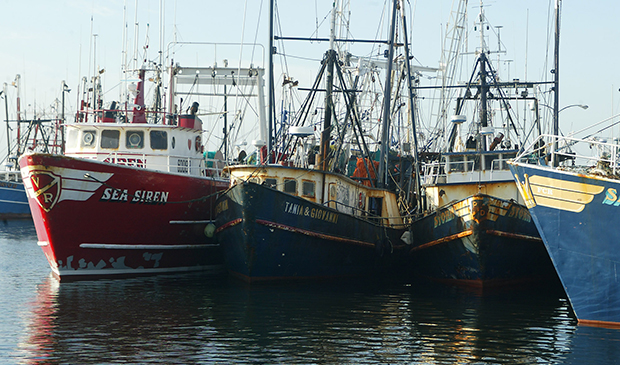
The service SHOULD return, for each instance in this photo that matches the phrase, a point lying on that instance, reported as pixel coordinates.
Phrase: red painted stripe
(228, 225)
(602, 324)
(313, 234)
(514, 235)
(442, 240)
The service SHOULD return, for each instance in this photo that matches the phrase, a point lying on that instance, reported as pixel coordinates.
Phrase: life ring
(360, 201)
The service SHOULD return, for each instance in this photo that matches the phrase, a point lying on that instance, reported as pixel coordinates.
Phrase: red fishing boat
(132, 194)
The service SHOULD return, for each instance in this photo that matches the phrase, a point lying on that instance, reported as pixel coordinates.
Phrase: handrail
(606, 154)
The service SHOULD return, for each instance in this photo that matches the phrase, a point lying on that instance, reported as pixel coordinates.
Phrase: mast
(382, 179)
(8, 129)
(411, 111)
(271, 106)
(556, 87)
(19, 114)
(330, 59)
(484, 89)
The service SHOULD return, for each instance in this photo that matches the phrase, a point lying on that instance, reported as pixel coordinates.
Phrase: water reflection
(524, 325)
(192, 319)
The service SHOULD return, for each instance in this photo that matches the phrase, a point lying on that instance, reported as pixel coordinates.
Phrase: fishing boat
(35, 136)
(297, 214)
(574, 201)
(570, 185)
(133, 193)
(475, 229)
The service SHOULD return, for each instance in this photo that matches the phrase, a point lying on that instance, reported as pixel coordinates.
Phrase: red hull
(99, 219)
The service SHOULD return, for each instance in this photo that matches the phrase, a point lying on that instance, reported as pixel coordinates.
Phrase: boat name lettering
(519, 213)
(294, 208)
(136, 162)
(315, 213)
(546, 191)
(443, 217)
(140, 196)
(221, 206)
(8, 185)
(324, 215)
(611, 197)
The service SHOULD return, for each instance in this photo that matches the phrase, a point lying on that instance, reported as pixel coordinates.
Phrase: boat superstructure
(134, 192)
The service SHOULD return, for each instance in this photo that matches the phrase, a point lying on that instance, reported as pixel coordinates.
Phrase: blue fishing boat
(34, 136)
(13, 200)
(574, 201)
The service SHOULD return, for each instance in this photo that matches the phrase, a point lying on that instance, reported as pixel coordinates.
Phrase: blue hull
(577, 216)
(266, 234)
(13, 200)
(480, 241)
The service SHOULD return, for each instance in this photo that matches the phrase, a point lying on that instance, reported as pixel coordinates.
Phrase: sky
(48, 42)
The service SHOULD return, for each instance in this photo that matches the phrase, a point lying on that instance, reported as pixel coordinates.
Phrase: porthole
(173, 142)
(88, 139)
(134, 139)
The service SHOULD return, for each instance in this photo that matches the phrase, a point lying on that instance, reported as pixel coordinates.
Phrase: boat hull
(97, 219)
(13, 200)
(270, 235)
(480, 241)
(576, 215)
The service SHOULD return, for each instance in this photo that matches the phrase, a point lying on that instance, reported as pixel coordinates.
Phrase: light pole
(582, 106)
(534, 108)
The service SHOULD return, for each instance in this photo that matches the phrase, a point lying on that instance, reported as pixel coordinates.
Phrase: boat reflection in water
(187, 319)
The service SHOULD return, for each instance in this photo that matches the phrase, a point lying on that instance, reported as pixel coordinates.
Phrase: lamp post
(582, 106)
(535, 104)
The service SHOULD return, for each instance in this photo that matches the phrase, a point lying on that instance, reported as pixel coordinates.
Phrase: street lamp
(582, 106)
(534, 107)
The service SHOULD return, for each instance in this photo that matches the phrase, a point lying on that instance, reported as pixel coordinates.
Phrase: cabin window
(72, 138)
(271, 182)
(110, 138)
(308, 188)
(473, 162)
(159, 140)
(88, 139)
(135, 139)
(489, 164)
(456, 164)
(253, 180)
(290, 186)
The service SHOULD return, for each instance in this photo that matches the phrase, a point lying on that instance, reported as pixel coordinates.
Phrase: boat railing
(124, 115)
(574, 153)
(178, 164)
(431, 172)
(467, 167)
(369, 216)
(15, 176)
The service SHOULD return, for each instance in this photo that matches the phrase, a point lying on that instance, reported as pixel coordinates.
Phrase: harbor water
(194, 319)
